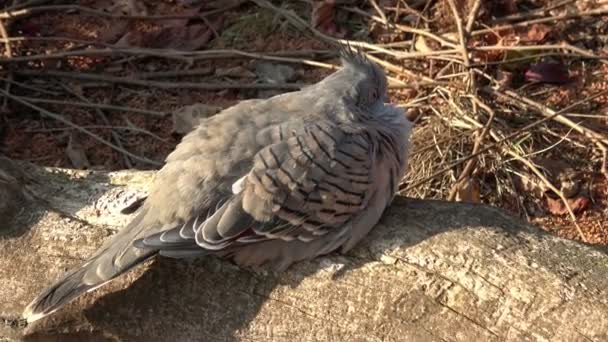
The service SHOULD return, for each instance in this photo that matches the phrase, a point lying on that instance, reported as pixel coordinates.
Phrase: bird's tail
(114, 258)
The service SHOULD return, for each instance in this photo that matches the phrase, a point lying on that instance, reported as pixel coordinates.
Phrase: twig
(510, 151)
(401, 70)
(211, 53)
(463, 41)
(13, 14)
(473, 16)
(7, 88)
(105, 120)
(554, 115)
(109, 51)
(470, 165)
(566, 16)
(404, 28)
(176, 73)
(379, 11)
(408, 8)
(224, 54)
(189, 56)
(461, 34)
(301, 24)
(537, 57)
(88, 104)
(563, 46)
(599, 139)
(278, 57)
(558, 192)
(79, 128)
(184, 56)
(8, 52)
(419, 18)
(431, 146)
(210, 27)
(123, 128)
(159, 84)
(30, 87)
(29, 3)
(503, 140)
(538, 13)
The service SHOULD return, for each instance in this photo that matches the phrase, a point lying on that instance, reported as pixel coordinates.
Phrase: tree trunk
(430, 271)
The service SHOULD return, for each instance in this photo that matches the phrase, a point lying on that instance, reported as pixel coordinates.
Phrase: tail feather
(114, 258)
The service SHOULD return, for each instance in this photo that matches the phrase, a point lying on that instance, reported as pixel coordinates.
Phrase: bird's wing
(300, 188)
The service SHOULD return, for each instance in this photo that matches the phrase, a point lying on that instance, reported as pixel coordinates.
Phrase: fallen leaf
(468, 191)
(561, 174)
(515, 61)
(113, 32)
(324, 15)
(538, 32)
(181, 21)
(188, 117)
(547, 72)
(504, 78)
(117, 28)
(211, 5)
(486, 40)
(31, 29)
(421, 45)
(509, 6)
(76, 154)
(122, 7)
(557, 207)
(184, 38)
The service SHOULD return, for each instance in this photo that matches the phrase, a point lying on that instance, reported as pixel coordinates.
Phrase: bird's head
(360, 85)
(361, 81)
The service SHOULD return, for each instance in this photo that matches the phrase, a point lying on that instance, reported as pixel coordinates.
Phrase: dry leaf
(175, 34)
(117, 28)
(421, 45)
(556, 73)
(324, 15)
(557, 207)
(509, 6)
(538, 32)
(487, 40)
(187, 38)
(504, 78)
(188, 117)
(211, 4)
(122, 7)
(468, 191)
(76, 154)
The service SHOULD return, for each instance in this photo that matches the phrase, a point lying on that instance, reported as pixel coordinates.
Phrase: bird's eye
(373, 95)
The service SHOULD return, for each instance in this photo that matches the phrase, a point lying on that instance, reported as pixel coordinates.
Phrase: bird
(264, 183)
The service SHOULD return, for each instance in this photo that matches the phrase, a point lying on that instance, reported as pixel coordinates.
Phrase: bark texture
(431, 271)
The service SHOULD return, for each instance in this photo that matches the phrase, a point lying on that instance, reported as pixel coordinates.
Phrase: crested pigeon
(265, 183)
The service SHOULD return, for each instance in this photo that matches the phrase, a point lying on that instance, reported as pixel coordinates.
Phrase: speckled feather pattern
(265, 183)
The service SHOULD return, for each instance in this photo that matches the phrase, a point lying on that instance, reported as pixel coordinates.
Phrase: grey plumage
(265, 183)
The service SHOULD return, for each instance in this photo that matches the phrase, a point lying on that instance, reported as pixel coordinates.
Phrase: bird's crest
(353, 56)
